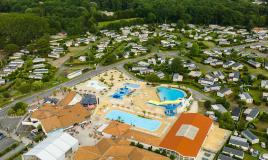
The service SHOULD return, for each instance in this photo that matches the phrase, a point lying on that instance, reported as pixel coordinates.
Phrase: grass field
(107, 23)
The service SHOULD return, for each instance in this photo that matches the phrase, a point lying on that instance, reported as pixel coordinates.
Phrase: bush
(19, 109)
(207, 104)
(11, 48)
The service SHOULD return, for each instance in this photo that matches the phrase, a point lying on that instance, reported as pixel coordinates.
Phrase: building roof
(253, 113)
(124, 131)
(116, 128)
(109, 149)
(53, 147)
(89, 99)
(239, 141)
(232, 151)
(249, 135)
(67, 99)
(187, 135)
(224, 157)
(219, 107)
(143, 137)
(54, 117)
(236, 111)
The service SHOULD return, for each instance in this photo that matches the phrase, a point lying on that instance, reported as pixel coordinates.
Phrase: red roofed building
(187, 135)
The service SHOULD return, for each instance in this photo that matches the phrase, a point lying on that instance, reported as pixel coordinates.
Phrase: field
(105, 24)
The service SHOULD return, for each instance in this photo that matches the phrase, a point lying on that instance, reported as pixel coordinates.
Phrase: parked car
(2, 136)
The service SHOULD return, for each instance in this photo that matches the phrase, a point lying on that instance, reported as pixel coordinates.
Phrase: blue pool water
(132, 85)
(170, 94)
(131, 119)
(119, 94)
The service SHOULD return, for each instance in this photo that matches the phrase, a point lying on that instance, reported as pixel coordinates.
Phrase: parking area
(9, 124)
(6, 142)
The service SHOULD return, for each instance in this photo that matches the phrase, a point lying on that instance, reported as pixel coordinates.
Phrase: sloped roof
(54, 117)
(116, 128)
(115, 150)
(183, 144)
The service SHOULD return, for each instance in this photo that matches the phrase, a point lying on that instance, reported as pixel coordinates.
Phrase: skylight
(187, 131)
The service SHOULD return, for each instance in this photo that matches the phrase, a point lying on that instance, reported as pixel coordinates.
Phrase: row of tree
(21, 29)
(237, 12)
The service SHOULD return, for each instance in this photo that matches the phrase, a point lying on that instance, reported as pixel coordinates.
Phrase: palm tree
(144, 112)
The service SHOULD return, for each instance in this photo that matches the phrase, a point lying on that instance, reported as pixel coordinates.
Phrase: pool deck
(135, 103)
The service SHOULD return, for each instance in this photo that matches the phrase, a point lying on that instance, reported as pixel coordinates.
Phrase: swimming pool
(96, 85)
(134, 120)
(170, 94)
(119, 94)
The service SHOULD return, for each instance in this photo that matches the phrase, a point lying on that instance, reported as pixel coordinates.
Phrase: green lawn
(106, 23)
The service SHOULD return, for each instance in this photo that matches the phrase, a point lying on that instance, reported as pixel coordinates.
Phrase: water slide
(165, 102)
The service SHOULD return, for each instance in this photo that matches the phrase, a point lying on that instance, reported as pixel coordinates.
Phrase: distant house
(237, 66)
(160, 74)
(224, 157)
(82, 58)
(246, 97)
(2, 81)
(228, 64)
(36, 76)
(265, 96)
(74, 74)
(40, 71)
(239, 142)
(224, 92)
(177, 77)
(233, 152)
(195, 74)
(253, 114)
(252, 138)
(143, 64)
(254, 63)
(264, 84)
(219, 74)
(266, 65)
(205, 81)
(214, 87)
(218, 107)
(236, 112)
(39, 60)
(234, 76)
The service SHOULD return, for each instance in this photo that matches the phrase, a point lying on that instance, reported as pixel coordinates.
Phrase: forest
(26, 20)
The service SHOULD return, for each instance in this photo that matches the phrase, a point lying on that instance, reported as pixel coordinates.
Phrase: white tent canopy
(54, 147)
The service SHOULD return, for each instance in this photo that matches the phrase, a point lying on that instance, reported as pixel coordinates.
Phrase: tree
(21, 29)
(152, 78)
(18, 109)
(151, 18)
(176, 66)
(195, 50)
(207, 104)
(225, 120)
(25, 87)
(37, 85)
(181, 23)
(224, 102)
(42, 45)
(11, 48)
